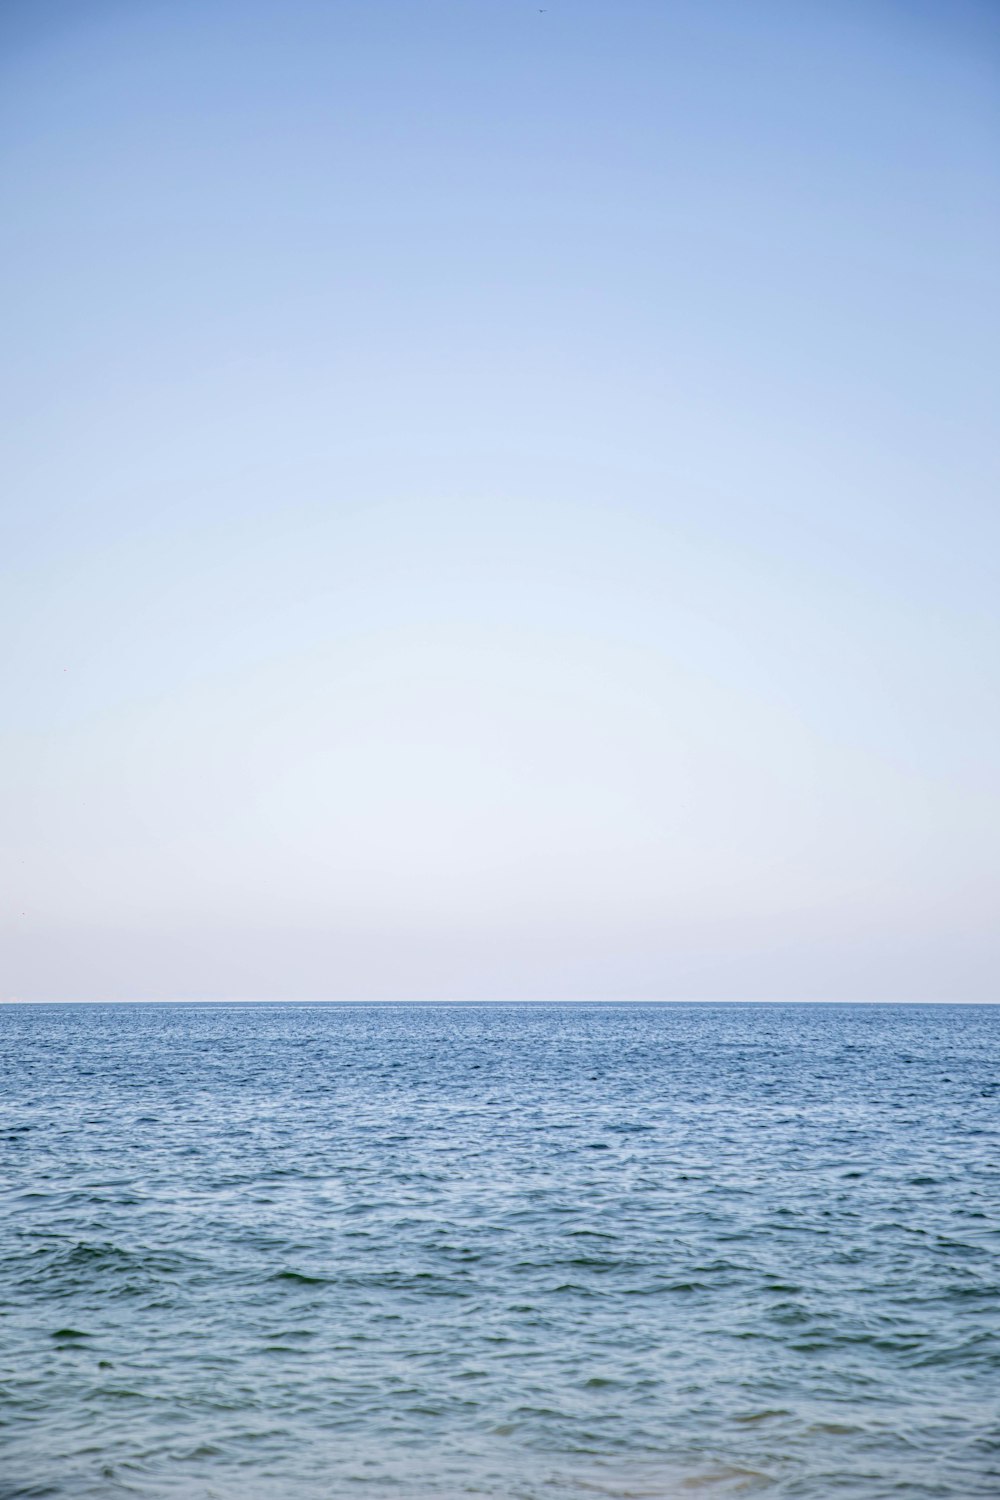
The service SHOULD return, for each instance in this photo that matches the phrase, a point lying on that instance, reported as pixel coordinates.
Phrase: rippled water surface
(507, 1251)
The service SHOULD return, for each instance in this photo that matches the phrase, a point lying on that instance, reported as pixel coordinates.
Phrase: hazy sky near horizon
(500, 502)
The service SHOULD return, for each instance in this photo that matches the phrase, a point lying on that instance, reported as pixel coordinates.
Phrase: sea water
(292, 1252)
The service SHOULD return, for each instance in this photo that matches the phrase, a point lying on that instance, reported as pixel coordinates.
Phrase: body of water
(632, 1252)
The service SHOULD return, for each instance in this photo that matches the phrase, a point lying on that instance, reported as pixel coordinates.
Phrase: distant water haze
(500, 504)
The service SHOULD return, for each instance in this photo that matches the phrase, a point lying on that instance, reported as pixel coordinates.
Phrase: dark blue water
(510, 1251)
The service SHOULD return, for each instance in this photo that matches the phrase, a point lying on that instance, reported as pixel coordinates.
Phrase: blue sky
(500, 502)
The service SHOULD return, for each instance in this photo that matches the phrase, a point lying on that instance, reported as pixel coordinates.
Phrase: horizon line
(15, 1000)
